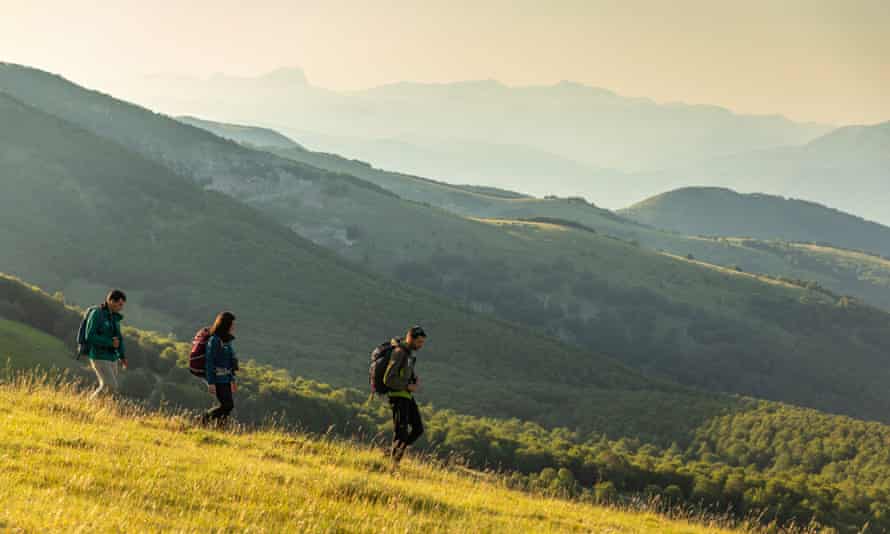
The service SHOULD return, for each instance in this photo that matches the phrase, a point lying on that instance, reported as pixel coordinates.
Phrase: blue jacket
(220, 358)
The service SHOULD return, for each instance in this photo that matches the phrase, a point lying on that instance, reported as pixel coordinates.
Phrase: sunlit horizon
(818, 61)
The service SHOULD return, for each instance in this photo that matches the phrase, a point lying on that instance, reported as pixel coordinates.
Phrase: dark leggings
(404, 414)
(226, 404)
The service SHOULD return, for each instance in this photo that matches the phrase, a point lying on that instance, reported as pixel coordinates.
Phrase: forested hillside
(757, 459)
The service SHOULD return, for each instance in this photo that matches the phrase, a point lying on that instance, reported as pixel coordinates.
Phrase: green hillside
(723, 332)
(24, 347)
(723, 212)
(57, 474)
(741, 459)
(838, 273)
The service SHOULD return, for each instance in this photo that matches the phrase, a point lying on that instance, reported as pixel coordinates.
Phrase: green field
(24, 347)
(69, 464)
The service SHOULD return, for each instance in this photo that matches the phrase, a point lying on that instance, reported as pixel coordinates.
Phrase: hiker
(221, 365)
(105, 342)
(402, 382)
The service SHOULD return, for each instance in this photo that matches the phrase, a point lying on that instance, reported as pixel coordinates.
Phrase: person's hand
(234, 387)
(412, 387)
(211, 388)
(124, 363)
(116, 342)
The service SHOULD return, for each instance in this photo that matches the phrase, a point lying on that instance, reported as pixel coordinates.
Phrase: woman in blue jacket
(221, 367)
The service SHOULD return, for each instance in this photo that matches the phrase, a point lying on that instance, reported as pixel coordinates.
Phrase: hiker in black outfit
(221, 365)
(402, 382)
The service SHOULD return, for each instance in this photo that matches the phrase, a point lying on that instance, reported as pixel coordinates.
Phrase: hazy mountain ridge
(848, 169)
(594, 127)
(724, 212)
(249, 135)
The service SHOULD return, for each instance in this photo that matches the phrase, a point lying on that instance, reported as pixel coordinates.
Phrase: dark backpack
(379, 362)
(83, 348)
(198, 355)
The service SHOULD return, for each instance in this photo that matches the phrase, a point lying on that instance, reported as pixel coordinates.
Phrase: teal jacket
(102, 325)
(220, 361)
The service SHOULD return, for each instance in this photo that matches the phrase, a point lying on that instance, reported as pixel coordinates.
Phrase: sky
(811, 60)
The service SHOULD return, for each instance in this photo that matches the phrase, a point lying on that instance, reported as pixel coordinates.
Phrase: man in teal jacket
(106, 344)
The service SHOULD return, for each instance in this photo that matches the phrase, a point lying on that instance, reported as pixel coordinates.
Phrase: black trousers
(405, 414)
(226, 404)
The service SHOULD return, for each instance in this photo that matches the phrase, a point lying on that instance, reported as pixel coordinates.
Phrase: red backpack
(198, 355)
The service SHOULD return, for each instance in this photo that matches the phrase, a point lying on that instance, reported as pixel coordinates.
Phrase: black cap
(417, 331)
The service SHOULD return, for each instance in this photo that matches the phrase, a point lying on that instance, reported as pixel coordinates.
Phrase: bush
(605, 492)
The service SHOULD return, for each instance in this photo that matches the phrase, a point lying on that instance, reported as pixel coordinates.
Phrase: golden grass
(71, 465)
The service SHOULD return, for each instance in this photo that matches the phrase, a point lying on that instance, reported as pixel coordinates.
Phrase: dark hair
(116, 295)
(416, 331)
(222, 326)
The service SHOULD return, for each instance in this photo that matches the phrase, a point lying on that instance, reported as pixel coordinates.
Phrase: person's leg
(226, 404)
(106, 375)
(400, 427)
(111, 378)
(414, 420)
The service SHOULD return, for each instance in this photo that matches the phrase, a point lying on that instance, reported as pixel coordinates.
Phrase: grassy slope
(23, 347)
(301, 307)
(69, 463)
(745, 451)
(723, 212)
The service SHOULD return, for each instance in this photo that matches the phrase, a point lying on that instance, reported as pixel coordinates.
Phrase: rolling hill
(249, 135)
(842, 271)
(56, 468)
(723, 212)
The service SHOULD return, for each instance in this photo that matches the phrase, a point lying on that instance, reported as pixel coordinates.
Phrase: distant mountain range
(848, 168)
(565, 139)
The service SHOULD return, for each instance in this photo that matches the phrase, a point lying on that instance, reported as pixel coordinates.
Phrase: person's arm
(395, 378)
(93, 336)
(213, 345)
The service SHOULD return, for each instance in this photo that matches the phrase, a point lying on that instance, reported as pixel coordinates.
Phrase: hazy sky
(813, 60)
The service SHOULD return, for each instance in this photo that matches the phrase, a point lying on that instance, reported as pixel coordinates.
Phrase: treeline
(764, 342)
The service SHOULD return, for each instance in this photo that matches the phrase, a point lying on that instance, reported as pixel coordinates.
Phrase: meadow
(69, 464)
